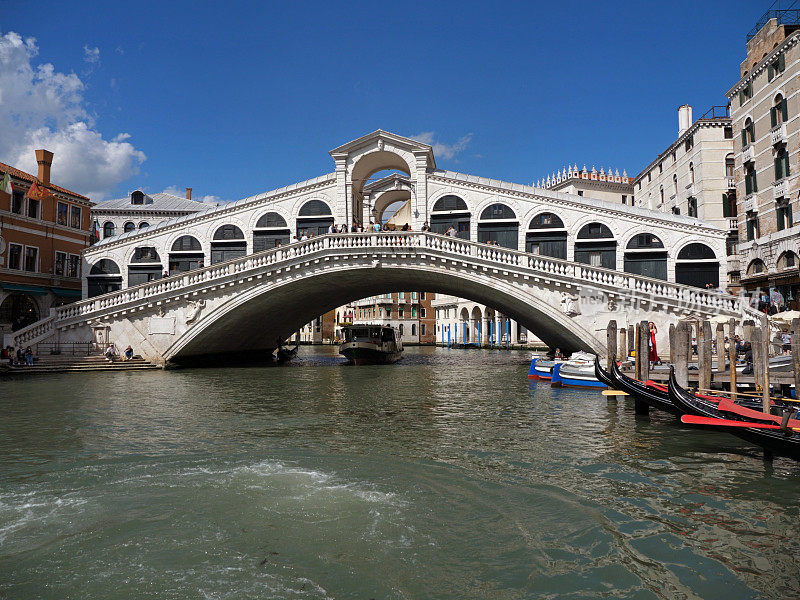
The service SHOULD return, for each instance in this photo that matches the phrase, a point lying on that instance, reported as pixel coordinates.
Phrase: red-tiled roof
(4, 168)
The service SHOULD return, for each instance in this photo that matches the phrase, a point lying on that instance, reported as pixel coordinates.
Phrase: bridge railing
(636, 285)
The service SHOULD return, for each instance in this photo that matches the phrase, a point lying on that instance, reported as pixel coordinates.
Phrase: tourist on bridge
(451, 232)
(405, 227)
(332, 228)
(425, 226)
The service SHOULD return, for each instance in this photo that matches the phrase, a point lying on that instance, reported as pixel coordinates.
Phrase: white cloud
(91, 55)
(441, 150)
(208, 199)
(43, 108)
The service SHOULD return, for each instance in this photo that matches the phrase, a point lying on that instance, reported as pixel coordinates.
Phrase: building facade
(461, 322)
(408, 312)
(321, 330)
(43, 230)
(610, 187)
(694, 176)
(765, 109)
(139, 210)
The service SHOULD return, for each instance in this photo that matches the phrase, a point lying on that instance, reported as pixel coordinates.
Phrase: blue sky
(235, 100)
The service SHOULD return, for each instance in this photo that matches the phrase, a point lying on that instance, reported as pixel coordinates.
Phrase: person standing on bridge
(425, 226)
(451, 232)
(332, 228)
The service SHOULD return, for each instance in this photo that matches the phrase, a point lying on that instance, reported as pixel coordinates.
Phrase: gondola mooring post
(720, 348)
(631, 341)
(623, 343)
(611, 342)
(643, 360)
(732, 358)
(704, 355)
(682, 347)
(757, 348)
(672, 343)
(795, 349)
(765, 390)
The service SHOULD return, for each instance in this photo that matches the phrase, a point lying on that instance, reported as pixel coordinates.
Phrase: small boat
(577, 371)
(286, 354)
(371, 344)
(754, 428)
(542, 368)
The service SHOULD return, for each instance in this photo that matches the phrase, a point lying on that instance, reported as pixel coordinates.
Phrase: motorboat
(577, 371)
(371, 344)
(542, 367)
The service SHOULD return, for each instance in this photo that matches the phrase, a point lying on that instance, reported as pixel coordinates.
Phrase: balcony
(748, 154)
(731, 181)
(777, 134)
(751, 203)
(780, 189)
(733, 224)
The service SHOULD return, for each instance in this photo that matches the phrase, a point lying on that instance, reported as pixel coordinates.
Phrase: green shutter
(778, 168)
(786, 164)
(744, 138)
(770, 72)
(773, 116)
(784, 109)
(755, 181)
(781, 63)
(748, 184)
(741, 97)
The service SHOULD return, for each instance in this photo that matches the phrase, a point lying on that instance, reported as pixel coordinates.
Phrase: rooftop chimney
(188, 193)
(684, 119)
(45, 160)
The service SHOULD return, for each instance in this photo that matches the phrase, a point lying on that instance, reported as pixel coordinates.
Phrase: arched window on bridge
(270, 229)
(547, 236)
(596, 246)
(498, 223)
(646, 255)
(314, 217)
(108, 229)
(145, 266)
(186, 254)
(228, 243)
(129, 226)
(104, 277)
(450, 211)
(144, 224)
(697, 265)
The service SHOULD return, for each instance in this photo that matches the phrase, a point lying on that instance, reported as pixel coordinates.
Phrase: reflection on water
(446, 475)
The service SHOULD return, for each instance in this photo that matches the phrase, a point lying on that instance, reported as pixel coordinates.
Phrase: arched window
(108, 229)
(314, 208)
(645, 255)
(104, 277)
(129, 226)
(596, 246)
(270, 231)
(271, 219)
(779, 113)
(499, 226)
(186, 255)
(145, 266)
(698, 266)
(450, 211)
(691, 173)
(546, 236)
(314, 218)
(137, 197)
(18, 311)
(788, 260)
(729, 170)
(755, 267)
(781, 163)
(449, 203)
(661, 195)
(228, 232)
(748, 132)
(228, 244)
(186, 243)
(497, 211)
(144, 224)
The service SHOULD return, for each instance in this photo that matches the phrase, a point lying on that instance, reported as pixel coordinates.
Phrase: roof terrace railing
(784, 17)
(717, 112)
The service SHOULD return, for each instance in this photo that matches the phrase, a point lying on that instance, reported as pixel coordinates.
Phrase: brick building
(42, 234)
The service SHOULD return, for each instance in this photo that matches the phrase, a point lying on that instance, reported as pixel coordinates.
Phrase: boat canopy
(373, 333)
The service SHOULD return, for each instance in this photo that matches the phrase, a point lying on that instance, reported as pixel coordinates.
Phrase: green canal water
(447, 475)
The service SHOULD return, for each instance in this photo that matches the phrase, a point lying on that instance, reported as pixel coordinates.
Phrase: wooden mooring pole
(720, 348)
(796, 356)
(623, 343)
(643, 361)
(704, 355)
(631, 341)
(683, 341)
(672, 343)
(758, 364)
(637, 364)
(732, 357)
(765, 400)
(611, 342)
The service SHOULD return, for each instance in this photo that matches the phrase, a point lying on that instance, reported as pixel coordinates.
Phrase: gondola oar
(697, 420)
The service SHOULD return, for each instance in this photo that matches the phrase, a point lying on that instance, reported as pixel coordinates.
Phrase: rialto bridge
(233, 278)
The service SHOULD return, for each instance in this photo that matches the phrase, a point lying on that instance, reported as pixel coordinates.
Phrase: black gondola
(650, 395)
(783, 442)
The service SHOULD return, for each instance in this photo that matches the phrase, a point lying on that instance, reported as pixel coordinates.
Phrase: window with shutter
(784, 110)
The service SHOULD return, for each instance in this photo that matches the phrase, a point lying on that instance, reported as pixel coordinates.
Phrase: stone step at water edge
(76, 369)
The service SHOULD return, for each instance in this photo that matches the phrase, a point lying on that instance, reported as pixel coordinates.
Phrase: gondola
(782, 442)
(649, 394)
(286, 354)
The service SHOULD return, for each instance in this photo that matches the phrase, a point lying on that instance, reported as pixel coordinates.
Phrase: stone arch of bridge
(255, 319)
(366, 166)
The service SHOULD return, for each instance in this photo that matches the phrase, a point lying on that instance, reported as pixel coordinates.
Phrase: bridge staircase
(67, 363)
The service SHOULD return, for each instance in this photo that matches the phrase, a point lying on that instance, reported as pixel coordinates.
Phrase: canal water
(447, 475)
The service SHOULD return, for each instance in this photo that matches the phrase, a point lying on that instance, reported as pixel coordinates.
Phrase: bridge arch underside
(254, 320)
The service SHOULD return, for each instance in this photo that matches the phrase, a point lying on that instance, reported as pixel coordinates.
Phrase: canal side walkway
(74, 364)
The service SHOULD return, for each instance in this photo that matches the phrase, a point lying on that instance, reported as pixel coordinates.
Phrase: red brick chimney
(45, 160)
(188, 193)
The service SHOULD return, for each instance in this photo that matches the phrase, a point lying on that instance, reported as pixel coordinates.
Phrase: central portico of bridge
(239, 275)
